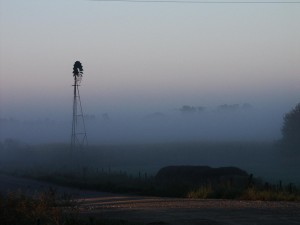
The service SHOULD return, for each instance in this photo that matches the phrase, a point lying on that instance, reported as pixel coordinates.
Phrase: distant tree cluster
(233, 107)
(291, 129)
(228, 107)
(223, 107)
(191, 109)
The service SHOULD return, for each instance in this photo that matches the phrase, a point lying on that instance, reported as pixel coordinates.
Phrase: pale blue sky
(146, 56)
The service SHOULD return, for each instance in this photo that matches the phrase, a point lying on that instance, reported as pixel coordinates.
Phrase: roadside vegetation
(121, 182)
(49, 208)
(46, 208)
(250, 193)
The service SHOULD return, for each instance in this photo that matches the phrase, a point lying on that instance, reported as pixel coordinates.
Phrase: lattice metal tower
(79, 137)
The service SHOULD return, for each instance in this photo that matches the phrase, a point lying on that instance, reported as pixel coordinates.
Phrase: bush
(291, 130)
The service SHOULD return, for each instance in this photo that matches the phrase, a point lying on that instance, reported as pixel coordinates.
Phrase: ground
(172, 211)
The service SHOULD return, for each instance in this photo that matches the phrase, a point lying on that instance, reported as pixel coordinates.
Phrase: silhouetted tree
(291, 129)
(226, 107)
(191, 109)
(188, 109)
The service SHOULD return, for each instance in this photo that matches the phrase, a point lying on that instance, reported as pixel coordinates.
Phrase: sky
(140, 58)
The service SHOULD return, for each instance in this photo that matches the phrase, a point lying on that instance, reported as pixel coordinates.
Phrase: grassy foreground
(46, 209)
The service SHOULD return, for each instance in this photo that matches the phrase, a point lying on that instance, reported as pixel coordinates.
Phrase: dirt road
(176, 211)
(172, 211)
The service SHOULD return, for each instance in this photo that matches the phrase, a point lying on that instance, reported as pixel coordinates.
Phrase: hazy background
(144, 61)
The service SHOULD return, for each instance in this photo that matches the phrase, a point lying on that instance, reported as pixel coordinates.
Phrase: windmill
(78, 137)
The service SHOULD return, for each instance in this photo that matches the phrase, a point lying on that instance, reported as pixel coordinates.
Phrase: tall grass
(201, 192)
(269, 195)
(252, 193)
(46, 209)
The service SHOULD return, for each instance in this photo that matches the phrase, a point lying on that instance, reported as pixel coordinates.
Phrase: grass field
(131, 168)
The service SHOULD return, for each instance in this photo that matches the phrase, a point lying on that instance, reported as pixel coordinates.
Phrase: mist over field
(163, 83)
(134, 141)
(226, 122)
(240, 135)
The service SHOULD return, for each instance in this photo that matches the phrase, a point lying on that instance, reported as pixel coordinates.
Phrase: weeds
(270, 195)
(201, 192)
(45, 209)
(251, 193)
(17, 208)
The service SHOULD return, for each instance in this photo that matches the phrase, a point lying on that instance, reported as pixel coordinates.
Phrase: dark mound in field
(199, 174)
